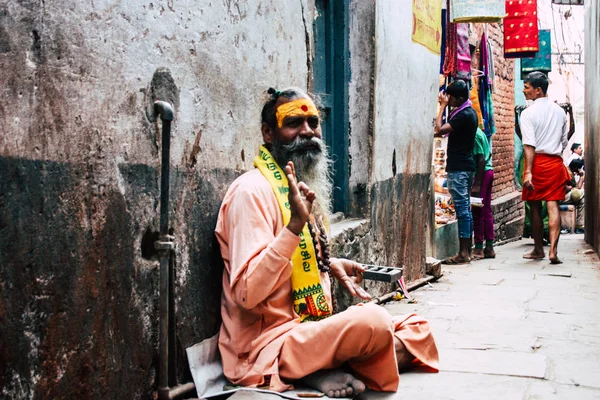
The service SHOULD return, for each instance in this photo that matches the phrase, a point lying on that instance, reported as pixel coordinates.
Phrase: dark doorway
(331, 76)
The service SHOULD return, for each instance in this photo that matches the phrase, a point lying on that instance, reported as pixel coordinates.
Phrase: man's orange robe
(262, 341)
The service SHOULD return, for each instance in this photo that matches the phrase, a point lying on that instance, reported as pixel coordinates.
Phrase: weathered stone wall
(79, 178)
(360, 104)
(509, 216)
(406, 79)
(592, 124)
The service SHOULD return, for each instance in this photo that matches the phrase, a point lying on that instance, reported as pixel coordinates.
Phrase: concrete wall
(406, 87)
(360, 103)
(79, 179)
(592, 123)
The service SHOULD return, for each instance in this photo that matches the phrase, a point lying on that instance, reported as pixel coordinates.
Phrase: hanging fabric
(543, 59)
(477, 10)
(486, 86)
(487, 61)
(520, 29)
(463, 52)
(450, 65)
(474, 97)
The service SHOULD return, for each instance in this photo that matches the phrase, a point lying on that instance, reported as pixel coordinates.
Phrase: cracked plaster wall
(79, 179)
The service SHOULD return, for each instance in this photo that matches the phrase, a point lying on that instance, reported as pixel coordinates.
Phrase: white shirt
(544, 126)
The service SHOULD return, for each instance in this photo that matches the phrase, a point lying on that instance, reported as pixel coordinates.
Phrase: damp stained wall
(592, 123)
(405, 104)
(79, 175)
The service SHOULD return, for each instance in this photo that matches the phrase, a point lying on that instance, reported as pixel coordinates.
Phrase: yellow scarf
(309, 299)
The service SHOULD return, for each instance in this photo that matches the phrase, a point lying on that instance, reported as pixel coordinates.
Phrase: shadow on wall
(79, 286)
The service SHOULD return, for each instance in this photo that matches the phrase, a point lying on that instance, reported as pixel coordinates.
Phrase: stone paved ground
(511, 328)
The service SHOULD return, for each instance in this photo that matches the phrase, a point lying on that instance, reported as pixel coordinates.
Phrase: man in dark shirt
(460, 165)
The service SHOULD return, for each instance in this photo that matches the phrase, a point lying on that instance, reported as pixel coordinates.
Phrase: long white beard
(313, 167)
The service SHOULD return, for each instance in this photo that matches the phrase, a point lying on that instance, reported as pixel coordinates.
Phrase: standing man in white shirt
(544, 129)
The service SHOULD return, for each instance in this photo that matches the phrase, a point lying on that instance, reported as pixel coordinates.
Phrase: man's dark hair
(268, 112)
(576, 164)
(538, 80)
(574, 147)
(459, 89)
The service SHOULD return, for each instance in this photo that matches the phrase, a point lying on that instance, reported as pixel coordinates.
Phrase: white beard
(313, 167)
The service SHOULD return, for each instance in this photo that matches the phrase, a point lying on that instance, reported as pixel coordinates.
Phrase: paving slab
(511, 328)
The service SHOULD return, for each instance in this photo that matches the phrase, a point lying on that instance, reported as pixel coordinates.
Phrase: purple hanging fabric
(463, 52)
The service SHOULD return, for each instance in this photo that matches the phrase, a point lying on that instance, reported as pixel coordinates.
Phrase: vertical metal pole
(164, 247)
(172, 367)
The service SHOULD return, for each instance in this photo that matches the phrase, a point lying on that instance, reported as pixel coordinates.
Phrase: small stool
(568, 216)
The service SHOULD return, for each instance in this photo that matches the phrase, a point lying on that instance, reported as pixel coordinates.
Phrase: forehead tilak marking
(298, 107)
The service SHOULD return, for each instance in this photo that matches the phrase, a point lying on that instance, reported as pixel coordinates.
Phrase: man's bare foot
(555, 260)
(489, 252)
(534, 255)
(477, 254)
(335, 383)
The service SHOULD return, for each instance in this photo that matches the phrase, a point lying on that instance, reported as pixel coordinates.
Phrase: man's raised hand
(300, 198)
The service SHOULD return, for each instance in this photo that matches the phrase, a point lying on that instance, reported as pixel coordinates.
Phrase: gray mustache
(304, 144)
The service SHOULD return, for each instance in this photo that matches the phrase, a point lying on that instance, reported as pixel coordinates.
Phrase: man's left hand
(350, 274)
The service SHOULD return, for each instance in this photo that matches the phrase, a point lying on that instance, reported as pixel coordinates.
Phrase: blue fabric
(459, 186)
(542, 61)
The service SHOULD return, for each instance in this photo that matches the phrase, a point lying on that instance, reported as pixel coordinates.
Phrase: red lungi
(549, 179)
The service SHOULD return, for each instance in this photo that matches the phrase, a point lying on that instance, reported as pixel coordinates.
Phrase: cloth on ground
(210, 381)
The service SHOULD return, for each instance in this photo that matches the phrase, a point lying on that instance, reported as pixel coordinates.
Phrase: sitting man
(575, 192)
(277, 309)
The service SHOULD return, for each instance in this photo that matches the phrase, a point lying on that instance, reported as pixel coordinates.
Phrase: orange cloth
(261, 338)
(474, 97)
(549, 178)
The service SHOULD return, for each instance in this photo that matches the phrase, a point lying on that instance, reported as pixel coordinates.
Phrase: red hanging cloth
(520, 29)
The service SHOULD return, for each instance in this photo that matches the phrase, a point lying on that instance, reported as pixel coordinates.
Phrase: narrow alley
(510, 328)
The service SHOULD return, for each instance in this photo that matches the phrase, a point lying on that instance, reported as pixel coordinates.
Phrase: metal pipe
(172, 367)
(186, 390)
(164, 246)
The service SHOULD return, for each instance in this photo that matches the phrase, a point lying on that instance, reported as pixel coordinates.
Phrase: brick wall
(509, 216)
(507, 206)
(504, 102)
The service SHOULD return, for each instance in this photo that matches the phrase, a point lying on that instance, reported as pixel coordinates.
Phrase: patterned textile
(310, 302)
(477, 10)
(521, 29)
(543, 58)
(474, 97)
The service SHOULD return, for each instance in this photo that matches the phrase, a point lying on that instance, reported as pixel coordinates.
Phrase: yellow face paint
(295, 108)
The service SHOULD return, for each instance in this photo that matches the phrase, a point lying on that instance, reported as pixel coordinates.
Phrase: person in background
(576, 154)
(483, 219)
(575, 192)
(460, 165)
(544, 129)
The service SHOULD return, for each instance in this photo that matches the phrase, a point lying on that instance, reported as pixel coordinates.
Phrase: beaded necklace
(321, 242)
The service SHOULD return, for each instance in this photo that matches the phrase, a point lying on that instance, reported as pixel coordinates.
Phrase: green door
(331, 76)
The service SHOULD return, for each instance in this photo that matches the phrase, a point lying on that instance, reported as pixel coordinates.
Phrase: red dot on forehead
(304, 108)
